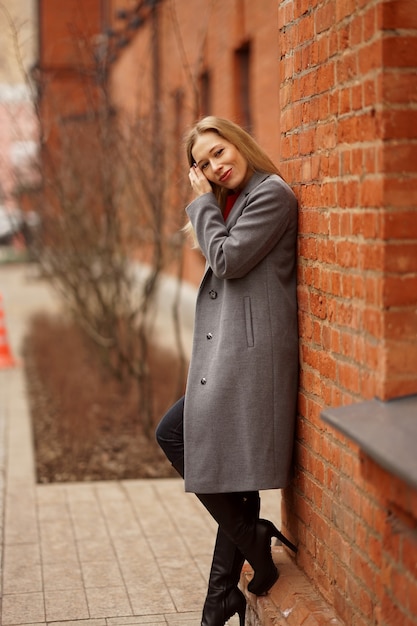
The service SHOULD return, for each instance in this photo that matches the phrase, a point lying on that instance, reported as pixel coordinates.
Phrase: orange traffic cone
(6, 357)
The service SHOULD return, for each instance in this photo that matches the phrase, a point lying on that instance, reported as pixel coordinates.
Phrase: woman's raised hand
(199, 182)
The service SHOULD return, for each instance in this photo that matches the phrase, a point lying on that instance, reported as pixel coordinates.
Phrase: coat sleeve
(262, 222)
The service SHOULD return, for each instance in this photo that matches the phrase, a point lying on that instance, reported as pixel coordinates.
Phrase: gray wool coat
(241, 393)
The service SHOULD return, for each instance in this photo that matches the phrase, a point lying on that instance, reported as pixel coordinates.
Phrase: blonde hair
(257, 159)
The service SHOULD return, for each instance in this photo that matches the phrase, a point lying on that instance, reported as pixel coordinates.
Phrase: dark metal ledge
(386, 431)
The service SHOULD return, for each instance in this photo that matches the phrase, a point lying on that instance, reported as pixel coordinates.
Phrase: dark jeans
(170, 435)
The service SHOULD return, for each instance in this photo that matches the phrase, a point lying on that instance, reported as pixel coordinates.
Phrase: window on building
(178, 99)
(242, 86)
(205, 93)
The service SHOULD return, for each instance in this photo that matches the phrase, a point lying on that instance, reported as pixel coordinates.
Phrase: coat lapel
(256, 178)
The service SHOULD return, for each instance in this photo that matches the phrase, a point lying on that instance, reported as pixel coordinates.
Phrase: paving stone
(57, 542)
(102, 574)
(62, 575)
(120, 518)
(94, 549)
(21, 578)
(147, 589)
(24, 608)
(66, 604)
(108, 602)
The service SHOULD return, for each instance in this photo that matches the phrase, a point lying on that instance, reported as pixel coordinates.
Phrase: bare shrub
(85, 420)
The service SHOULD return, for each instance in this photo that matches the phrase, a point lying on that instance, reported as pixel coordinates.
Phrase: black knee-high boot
(224, 598)
(252, 537)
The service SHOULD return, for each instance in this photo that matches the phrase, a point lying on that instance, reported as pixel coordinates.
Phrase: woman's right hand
(199, 182)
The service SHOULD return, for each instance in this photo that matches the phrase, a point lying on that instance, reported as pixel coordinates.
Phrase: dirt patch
(86, 424)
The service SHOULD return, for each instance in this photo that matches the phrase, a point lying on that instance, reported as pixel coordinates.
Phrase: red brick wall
(348, 103)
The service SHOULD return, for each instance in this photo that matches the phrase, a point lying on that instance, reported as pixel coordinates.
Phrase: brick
(399, 225)
(401, 357)
(369, 58)
(372, 193)
(400, 193)
(400, 124)
(346, 223)
(325, 136)
(401, 324)
(399, 87)
(346, 315)
(357, 97)
(372, 256)
(325, 78)
(331, 339)
(344, 8)
(402, 160)
(400, 257)
(356, 30)
(325, 17)
(368, 222)
(307, 142)
(318, 305)
(306, 28)
(370, 92)
(345, 102)
(326, 250)
(399, 14)
(347, 67)
(348, 193)
(399, 51)
(349, 377)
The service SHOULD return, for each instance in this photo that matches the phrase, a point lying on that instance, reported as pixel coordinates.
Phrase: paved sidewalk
(102, 553)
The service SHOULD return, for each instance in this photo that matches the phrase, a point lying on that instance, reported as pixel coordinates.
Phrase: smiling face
(220, 161)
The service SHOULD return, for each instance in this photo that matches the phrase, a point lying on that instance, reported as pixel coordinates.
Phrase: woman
(232, 433)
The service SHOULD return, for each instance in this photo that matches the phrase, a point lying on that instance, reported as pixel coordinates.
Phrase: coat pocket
(248, 321)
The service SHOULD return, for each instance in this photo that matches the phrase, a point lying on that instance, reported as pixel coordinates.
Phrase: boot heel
(241, 611)
(266, 574)
(235, 602)
(276, 533)
(241, 614)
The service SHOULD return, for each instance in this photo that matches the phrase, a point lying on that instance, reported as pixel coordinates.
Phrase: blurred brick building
(329, 89)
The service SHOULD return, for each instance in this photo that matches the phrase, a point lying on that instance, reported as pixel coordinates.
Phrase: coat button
(209, 335)
(203, 381)
(213, 294)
